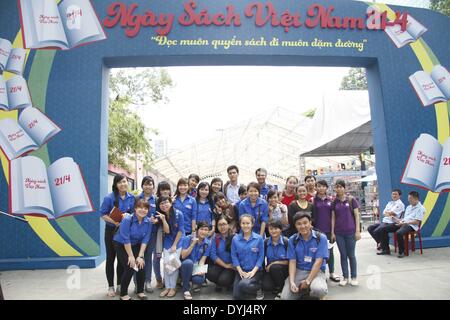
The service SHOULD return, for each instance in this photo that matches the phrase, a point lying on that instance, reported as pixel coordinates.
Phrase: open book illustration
(31, 131)
(53, 192)
(428, 166)
(414, 30)
(14, 94)
(11, 59)
(432, 88)
(68, 24)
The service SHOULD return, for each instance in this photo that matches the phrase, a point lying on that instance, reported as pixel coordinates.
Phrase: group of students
(252, 238)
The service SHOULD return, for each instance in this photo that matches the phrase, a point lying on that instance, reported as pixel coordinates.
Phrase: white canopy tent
(341, 126)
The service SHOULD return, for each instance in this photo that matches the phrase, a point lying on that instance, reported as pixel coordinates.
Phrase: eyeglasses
(222, 224)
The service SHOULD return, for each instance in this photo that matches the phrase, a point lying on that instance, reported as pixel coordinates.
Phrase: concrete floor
(418, 276)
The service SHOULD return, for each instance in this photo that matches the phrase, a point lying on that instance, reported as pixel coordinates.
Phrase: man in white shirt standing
(413, 217)
(231, 188)
(380, 231)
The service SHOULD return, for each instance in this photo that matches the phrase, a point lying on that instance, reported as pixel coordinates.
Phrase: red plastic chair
(410, 237)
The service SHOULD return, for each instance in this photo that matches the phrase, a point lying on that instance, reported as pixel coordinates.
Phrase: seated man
(307, 254)
(413, 217)
(380, 231)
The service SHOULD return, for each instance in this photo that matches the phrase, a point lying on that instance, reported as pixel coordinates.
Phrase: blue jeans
(187, 266)
(346, 245)
(242, 288)
(152, 260)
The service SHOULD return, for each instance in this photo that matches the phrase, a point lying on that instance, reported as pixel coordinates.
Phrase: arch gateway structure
(404, 50)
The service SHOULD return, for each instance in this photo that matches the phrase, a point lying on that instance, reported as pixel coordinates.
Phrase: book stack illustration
(36, 188)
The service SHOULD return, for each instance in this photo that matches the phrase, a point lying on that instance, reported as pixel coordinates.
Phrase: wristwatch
(141, 257)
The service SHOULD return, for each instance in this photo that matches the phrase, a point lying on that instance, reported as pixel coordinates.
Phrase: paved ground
(418, 276)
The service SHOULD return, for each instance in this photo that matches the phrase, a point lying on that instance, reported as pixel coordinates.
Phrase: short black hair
(341, 183)
(322, 183)
(147, 179)
(202, 224)
(254, 185)
(398, 191)
(309, 177)
(414, 194)
(260, 170)
(232, 167)
(300, 215)
(271, 193)
(242, 189)
(275, 224)
(194, 176)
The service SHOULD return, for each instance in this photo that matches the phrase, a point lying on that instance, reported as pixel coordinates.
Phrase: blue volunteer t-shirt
(126, 205)
(200, 249)
(306, 252)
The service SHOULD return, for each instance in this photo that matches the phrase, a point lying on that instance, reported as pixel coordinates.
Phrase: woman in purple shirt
(323, 209)
(345, 229)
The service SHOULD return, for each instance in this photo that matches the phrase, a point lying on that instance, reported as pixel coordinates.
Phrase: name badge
(255, 249)
(347, 205)
(308, 259)
(328, 203)
(188, 206)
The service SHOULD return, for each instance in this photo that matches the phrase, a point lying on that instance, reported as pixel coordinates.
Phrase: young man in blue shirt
(307, 254)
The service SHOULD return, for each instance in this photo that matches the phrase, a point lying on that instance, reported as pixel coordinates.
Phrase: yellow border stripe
(51, 238)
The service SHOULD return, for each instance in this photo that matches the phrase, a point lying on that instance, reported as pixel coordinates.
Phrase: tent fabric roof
(271, 140)
(275, 140)
(341, 126)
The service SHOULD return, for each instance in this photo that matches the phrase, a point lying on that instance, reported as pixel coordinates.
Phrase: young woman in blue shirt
(124, 201)
(247, 254)
(130, 243)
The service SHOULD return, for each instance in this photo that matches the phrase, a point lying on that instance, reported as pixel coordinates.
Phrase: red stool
(410, 237)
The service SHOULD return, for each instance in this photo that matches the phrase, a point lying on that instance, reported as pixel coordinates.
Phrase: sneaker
(118, 289)
(384, 252)
(354, 283)
(148, 287)
(278, 296)
(401, 255)
(378, 246)
(260, 295)
(343, 282)
(111, 293)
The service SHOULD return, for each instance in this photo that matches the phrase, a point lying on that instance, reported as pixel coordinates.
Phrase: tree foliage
(355, 80)
(442, 6)
(128, 135)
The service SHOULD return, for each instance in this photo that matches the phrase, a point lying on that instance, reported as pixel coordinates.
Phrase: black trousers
(128, 273)
(275, 278)
(220, 276)
(400, 234)
(330, 261)
(380, 233)
(111, 257)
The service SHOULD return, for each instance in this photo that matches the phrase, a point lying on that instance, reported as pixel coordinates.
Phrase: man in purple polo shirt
(322, 222)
